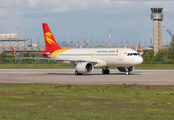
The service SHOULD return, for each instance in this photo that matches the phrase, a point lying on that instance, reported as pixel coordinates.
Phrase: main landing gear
(105, 71)
(77, 73)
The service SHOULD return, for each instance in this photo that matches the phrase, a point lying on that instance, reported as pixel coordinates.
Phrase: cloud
(26, 9)
(60, 6)
(16, 13)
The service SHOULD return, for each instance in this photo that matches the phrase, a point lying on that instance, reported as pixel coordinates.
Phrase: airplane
(14, 51)
(86, 59)
(141, 52)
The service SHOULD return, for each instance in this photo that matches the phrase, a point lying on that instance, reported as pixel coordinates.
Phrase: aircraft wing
(93, 61)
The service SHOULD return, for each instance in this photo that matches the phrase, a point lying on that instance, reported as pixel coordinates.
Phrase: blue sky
(128, 19)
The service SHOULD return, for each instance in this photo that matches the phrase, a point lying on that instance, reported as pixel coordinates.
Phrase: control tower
(157, 17)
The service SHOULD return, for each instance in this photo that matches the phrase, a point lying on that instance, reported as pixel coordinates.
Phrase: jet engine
(125, 69)
(84, 67)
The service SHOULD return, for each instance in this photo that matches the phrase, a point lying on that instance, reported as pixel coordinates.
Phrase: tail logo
(140, 49)
(48, 38)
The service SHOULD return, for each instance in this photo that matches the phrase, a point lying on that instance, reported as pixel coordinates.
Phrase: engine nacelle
(84, 67)
(124, 69)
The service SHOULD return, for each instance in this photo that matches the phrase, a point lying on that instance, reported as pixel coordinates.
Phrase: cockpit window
(134, 54)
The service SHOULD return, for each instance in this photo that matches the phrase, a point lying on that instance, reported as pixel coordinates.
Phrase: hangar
(8, 40)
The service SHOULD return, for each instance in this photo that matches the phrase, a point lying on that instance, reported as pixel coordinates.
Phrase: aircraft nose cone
(140, 60)
(136, 61)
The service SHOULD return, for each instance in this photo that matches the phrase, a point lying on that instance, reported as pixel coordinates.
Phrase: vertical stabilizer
(14, 51)
(141, 52)
(50, 41)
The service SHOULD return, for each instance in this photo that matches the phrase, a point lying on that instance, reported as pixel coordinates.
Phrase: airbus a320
(86, 59)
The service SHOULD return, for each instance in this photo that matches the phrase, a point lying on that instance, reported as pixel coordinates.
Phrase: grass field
(155, 66)
(60, 66)
(86, 102)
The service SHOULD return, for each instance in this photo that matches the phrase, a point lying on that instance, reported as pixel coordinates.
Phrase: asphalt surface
(67, 76)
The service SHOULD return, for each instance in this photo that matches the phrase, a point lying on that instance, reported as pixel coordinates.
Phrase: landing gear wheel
(77, 73)
(105, 71)
(127, 73)
(108, 72)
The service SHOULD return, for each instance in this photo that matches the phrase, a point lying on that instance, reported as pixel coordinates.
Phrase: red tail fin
(14, 51)
(50, 41)
(141, 52)
(140, 49)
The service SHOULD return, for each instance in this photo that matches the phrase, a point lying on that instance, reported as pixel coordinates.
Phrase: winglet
(14, 51)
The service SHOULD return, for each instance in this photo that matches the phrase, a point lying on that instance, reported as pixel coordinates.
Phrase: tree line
(164, 54)
(4, 55)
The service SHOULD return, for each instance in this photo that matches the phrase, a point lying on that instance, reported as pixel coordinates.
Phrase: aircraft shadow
(99, 74)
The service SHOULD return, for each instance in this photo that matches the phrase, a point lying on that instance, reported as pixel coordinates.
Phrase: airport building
(8, 40)
(157, 17)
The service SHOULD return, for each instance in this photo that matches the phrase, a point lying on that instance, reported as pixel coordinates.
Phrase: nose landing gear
(127, 71)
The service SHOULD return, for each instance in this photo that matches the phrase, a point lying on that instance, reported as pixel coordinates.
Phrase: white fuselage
(104, 57)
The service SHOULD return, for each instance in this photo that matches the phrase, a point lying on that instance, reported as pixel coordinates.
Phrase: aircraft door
(120, 55)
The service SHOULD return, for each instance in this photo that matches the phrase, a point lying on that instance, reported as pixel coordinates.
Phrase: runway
(66, 76)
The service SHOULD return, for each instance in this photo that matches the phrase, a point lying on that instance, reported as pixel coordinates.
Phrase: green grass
(85, 102)
(61, 66)
(155, 66)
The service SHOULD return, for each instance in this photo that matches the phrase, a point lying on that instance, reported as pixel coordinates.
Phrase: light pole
(110, 38)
